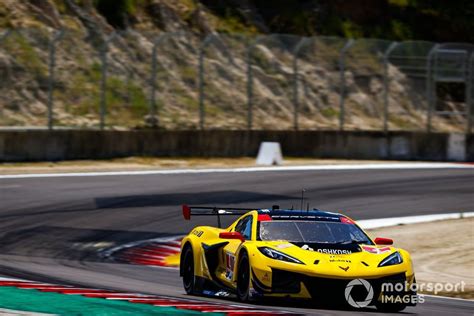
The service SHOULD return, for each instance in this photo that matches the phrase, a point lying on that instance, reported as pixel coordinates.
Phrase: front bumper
(330, 290)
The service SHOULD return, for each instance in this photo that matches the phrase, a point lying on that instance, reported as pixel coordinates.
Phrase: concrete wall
(41, 145)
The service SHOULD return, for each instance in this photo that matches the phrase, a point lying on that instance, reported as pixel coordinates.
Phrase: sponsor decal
(340, 260)
(370, 249)
(306, 217)
(229, 265)
(376, 250)
(220, 293)
(284, 246)
(346, 220)
(198, 232)
(335, 251)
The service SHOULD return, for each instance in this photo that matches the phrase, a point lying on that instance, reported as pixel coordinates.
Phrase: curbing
(31, 296)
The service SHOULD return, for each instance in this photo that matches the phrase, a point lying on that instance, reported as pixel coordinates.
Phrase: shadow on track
(212, 198)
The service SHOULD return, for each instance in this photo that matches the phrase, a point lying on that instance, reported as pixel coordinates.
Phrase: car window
(244, 226)
(313, 232)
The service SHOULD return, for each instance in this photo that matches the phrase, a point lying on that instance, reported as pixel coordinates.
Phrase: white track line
(448, 298)
(364, 166)
(5, 279)
(11, 312)
(394, 221)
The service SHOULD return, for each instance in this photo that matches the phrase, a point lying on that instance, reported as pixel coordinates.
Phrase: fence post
(429, 86)
(202, 110)
(205, 43)
(103, 82)
(51, 65)
(386, 84)
(3, 36)
(249, 86)
(154, 69)
(469, 88)
(250, 81)
(103, 85)
(342, 91)
(302, 43)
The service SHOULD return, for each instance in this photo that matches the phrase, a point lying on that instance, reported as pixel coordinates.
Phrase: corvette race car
(316, 255)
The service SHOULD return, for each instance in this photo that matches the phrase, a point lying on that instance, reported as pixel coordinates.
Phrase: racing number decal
(229, 265)
(198, 232)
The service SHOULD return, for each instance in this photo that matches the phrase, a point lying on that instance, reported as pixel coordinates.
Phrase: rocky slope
(178, 30)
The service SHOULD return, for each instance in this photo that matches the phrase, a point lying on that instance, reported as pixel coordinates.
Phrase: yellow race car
(316, 255)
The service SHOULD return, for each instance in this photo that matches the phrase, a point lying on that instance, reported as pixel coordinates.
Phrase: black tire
(188, 270)
(390, 307)
(243, 278)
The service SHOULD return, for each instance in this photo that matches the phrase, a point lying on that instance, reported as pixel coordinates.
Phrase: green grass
(330, 112)
(25, 53)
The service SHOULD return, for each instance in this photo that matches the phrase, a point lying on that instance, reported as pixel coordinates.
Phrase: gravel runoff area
(152, 163)
(442, 252)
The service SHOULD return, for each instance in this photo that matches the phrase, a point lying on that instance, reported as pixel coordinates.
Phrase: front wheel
(243, 278)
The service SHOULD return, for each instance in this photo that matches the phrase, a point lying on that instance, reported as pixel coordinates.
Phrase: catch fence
(129, 79)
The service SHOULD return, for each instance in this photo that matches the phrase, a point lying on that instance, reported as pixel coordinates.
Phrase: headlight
(394, 258)
(274, 254)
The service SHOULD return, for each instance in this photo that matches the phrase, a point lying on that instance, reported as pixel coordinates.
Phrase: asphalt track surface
(52, 228)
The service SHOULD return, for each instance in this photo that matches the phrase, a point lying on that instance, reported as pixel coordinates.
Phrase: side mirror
(232, 235)
(383, 241)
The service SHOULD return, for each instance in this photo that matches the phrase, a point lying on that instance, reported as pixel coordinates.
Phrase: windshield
(313, 232)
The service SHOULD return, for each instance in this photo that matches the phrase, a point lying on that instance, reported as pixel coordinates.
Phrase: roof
(300, 214)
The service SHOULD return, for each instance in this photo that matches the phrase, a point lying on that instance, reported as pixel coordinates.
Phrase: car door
(228, 255)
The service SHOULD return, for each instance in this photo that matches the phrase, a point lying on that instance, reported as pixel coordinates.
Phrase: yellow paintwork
(329, 265)
(172, 260)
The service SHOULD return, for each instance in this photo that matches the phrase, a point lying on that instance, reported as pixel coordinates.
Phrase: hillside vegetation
(431, 20)
(89, 24)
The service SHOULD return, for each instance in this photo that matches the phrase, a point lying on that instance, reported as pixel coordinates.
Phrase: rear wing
(217, 211)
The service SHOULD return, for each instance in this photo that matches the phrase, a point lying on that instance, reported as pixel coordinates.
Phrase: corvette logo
(345, 269)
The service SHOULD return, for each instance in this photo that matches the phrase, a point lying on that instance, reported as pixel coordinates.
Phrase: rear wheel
(188, 270)
(243, 278)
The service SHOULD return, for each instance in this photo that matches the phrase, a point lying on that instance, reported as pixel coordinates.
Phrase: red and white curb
(151, 252)
(155, 300)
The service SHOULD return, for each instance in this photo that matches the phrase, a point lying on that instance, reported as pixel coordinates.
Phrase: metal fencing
(72, 79)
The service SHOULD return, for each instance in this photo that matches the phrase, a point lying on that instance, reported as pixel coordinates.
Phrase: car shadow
(199, 198)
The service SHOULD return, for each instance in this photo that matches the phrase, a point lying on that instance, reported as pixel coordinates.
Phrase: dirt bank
(442, 251)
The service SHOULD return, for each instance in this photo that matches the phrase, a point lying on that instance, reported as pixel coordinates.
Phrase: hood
(339, 260)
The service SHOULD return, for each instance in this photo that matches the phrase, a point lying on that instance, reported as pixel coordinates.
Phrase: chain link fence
(129, 79)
